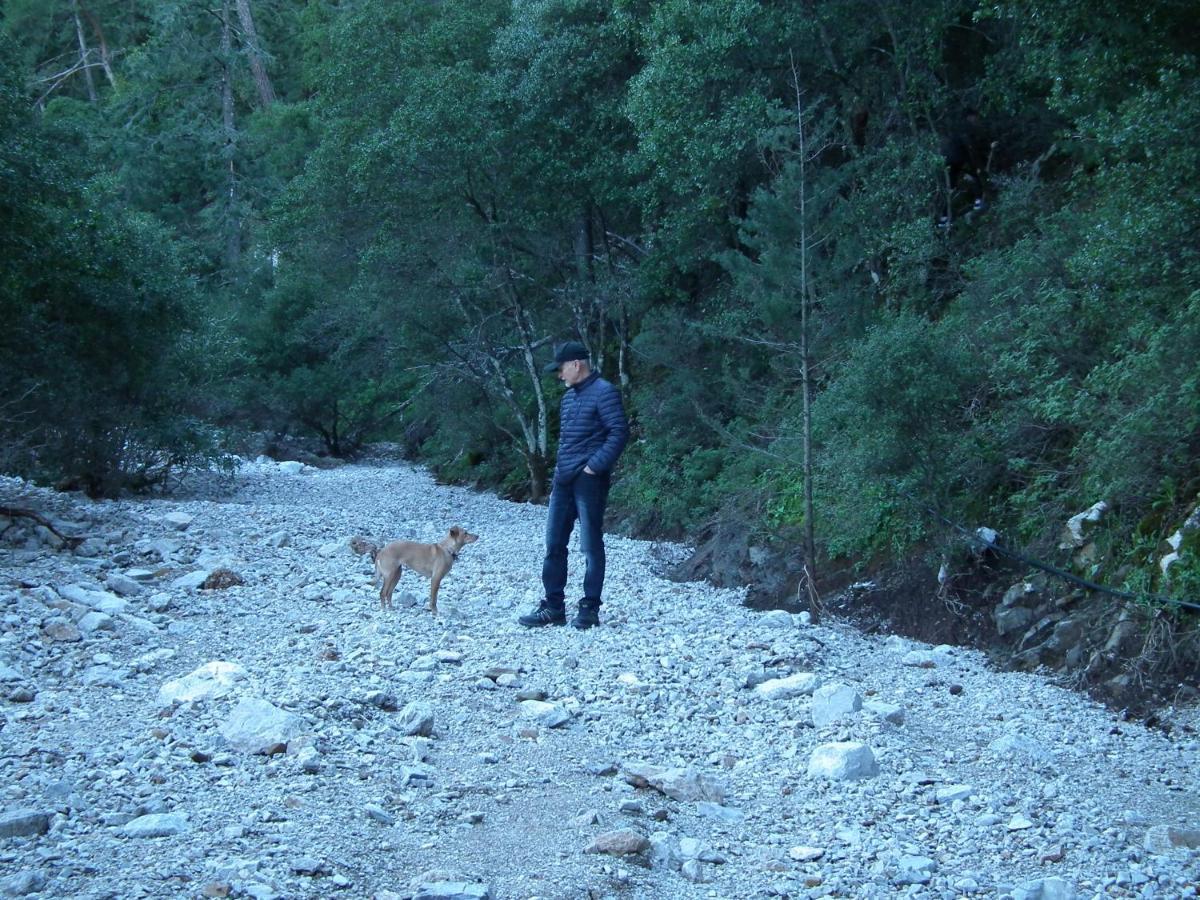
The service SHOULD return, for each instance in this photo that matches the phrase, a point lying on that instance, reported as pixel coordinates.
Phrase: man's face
(572, 372)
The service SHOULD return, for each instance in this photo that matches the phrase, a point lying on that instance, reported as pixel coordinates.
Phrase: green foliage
(100, 339)
(440, 190)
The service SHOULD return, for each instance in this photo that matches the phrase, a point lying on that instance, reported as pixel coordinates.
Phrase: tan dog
(431, 560)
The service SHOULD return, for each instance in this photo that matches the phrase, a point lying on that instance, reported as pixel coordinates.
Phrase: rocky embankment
(203, 699)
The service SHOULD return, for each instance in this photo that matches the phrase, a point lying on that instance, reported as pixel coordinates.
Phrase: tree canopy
(969, 296)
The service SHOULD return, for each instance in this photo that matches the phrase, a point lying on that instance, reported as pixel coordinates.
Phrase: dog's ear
(455, 531)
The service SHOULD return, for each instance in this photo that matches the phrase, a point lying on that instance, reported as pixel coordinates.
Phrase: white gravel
(465, 756)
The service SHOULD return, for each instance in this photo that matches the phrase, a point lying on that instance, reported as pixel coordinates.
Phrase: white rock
(156, 825)
(806, 854)
(726, 814)
(915, 869)
(452, 890)
(834, 702)
(257, 726)
(415, 719)
(178, 520)
(1055, 888)
(96, 621)
(664, 851)
(921, 659)
(191, 581)
(842, 760)
(889, 712)
(291, 467)
(123, 585)
(1073, 534)
(797, 685)
(954, 792)
(1021, 748)
(778, 618)
(211, 681)
(548, 715)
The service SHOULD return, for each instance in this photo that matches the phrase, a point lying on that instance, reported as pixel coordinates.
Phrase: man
(592, 434)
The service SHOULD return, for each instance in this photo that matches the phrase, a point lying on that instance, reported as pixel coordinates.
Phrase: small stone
(724, 814)
(548, 715)
(22, 884)
(416, 719)
(219, 579)
(378, 814)
(1165, 838)
(796, 685)
(618, 843)
(834, 702)
(1019, 823)
(23, 823)
(191, 581)
(156, 825)
(22, 694)
(310, 866)
(889, 712)
(61, 631)
(778, 618)
(452, 890)
(954, 792)
(920, 659)
(915, 870)
(257, 726)
(806, 854)
(96, 621)
(178, 520)
(846, 760)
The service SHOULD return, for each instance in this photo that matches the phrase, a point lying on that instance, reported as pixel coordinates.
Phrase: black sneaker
(588, 615)
(544, 615)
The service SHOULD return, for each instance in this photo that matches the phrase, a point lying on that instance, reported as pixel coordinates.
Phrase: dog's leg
(385, 595)
(433, 591)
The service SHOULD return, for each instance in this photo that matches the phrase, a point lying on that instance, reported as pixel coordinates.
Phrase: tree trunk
(810, 544)
(233, 237)
(258, 66)
(83, 54)
(105, 60)
(585, 246)
(538, 470)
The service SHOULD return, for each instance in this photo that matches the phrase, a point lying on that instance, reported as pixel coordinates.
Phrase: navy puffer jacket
(593, 429)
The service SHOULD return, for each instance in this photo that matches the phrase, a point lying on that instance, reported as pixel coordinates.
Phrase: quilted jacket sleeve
(612, 417)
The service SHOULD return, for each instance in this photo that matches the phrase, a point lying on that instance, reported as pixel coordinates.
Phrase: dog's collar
(453, 554)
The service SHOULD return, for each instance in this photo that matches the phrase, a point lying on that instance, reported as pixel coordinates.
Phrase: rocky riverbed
(274, 734)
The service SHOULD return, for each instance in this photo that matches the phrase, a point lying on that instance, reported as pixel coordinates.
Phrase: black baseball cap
(565, 353)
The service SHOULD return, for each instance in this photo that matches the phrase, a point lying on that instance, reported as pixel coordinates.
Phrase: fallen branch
(16, 512)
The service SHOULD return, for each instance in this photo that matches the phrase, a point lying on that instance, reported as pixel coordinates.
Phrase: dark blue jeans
(584, 500)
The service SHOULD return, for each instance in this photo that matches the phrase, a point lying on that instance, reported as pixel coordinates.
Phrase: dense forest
(865, 270)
